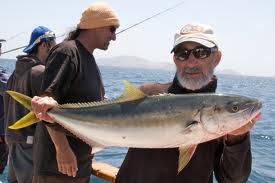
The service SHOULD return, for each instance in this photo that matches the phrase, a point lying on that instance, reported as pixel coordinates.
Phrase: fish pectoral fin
(96, 149)
(185, 155)
(25, 121)
(130, 93)
(96, 145)
(21, 98)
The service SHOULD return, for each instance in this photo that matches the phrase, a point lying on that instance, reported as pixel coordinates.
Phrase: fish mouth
(255, 110)
(257, 107)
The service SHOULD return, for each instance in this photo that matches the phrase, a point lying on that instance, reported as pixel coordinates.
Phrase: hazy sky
(245, 29)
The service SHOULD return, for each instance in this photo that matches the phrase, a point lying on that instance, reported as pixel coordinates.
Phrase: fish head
(225, 113)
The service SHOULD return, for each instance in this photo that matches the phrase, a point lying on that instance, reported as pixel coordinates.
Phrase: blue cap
(39, 34)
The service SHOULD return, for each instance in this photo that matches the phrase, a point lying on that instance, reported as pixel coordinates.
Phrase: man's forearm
(234, 164)
(65, 157)
(59, 139)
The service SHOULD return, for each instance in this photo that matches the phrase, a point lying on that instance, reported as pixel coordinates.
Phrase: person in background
(1, 41)
(71, 76)
(26, 78)
(3, 146)
(196, 54)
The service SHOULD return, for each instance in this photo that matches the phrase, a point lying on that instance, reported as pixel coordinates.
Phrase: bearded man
(195, 54)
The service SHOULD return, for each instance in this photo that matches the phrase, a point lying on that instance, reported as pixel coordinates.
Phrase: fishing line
(18, 48)
(14, 36)
(134, 25)
(168, 9)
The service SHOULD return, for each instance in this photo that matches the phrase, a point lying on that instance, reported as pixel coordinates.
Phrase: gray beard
(195, 84)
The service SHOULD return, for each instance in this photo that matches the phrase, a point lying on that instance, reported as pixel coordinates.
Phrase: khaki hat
(196, 32)
(98, 15)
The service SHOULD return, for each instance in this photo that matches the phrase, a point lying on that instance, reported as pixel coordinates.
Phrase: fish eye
(235, 108)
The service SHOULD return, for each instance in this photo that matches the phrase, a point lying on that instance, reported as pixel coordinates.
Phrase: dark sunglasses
(0, 45)
(113, 29)
(199, 53)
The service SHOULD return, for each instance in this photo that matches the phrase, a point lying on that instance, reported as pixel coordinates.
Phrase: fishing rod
(10, 38)
(18, 48)
(14, 36)
(157, 14)
(136, 24)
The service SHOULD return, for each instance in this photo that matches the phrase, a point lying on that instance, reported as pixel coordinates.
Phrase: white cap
(196, 32)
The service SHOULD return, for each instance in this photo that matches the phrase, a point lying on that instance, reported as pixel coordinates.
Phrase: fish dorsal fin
(185, 155)
(130, 93)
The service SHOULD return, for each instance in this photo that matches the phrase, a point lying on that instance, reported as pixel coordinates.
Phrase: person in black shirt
(71, 75)
(196, 54)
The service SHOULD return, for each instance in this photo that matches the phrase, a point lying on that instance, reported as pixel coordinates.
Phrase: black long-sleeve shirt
(229, 164)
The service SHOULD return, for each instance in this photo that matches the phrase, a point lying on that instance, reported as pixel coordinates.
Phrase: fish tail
(30, 118)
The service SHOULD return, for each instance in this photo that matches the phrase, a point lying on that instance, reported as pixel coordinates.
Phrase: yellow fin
(30, 118)
(185, 155)
(27, 120)
(21, 98)
(130, 93)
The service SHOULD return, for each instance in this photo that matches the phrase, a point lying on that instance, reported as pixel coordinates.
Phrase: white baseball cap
(196, 32)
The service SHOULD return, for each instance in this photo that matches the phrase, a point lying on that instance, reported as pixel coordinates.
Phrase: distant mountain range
(136, 62)
(228, 71)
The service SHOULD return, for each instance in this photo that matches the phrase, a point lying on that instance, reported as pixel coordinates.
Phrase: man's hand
(238, 135)
(65, 157)
(41, 105)
(154, 88)
(244, 129)
(66, 161)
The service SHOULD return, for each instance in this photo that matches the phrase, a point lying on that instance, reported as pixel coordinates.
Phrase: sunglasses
(0, 45)
(113, 29)
(199, 53)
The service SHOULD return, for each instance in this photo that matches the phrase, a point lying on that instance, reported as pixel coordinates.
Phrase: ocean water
(262, 135)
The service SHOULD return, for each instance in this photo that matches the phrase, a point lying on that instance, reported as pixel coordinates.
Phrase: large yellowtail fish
(160, 121)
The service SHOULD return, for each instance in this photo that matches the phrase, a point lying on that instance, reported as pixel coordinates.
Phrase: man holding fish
(72, 75)
(196, 54)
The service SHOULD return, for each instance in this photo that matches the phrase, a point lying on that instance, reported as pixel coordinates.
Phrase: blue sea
(262, 135)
